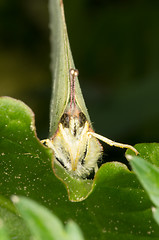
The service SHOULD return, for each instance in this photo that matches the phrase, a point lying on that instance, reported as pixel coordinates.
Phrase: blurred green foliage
(115, 47)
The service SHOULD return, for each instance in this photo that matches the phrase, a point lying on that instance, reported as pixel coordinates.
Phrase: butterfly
(75, 145)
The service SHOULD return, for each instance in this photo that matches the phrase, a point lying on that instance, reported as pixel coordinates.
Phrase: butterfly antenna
(73, 74)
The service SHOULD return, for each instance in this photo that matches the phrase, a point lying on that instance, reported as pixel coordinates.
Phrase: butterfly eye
(65, 120)
(82, 119)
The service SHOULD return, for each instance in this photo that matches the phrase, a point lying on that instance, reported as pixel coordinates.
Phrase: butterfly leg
(112, 143)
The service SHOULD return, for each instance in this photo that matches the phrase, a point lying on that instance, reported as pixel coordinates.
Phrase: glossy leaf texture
(148, 173)
(117, 207)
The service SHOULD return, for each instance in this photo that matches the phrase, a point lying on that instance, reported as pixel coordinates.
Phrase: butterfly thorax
(74, 148)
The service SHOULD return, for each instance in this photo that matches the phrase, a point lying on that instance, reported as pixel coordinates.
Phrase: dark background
(115, 45)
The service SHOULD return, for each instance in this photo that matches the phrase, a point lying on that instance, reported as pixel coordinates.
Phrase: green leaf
(117, 208)
(148, 175)
(3, 233)
(24, 160)
(7, 204)
(43, 224)
(155, 212)
(11, 222)
(78, 189)
(148, 151)
(73, 231)
(62, 62)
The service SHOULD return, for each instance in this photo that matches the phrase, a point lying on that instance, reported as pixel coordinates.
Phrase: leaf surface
(147, 172)
(117, 207)
(43, 224)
